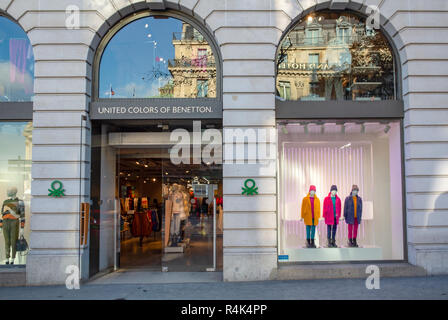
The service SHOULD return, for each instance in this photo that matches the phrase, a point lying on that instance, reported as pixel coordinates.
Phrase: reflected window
(157, 57)
(16, 63)
(336, 57)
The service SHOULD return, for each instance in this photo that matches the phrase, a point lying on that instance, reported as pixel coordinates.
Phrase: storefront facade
(347, 105)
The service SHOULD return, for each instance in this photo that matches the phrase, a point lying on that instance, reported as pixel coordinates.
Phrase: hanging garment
(145, 203)
(155, 220)
(141, 225)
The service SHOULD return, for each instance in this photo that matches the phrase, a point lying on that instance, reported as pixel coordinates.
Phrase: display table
(332, 254)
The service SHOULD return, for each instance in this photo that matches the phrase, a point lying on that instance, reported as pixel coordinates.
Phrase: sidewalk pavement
(390, 289)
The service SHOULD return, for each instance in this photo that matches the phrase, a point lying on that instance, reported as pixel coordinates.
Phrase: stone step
(12, 276)
(344, 271)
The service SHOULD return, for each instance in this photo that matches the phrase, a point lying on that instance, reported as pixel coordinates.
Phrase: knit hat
(333, 187)
(312, 188)
(355, 187)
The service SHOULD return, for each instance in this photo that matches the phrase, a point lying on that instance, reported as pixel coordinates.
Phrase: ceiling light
(137, 162)
(154, 179)
(310, 19)
(146, 166)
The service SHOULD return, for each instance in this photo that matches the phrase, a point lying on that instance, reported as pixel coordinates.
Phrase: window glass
(15, 188)
(339, 155)
(157, 57)
(16, 63)
(354, 61)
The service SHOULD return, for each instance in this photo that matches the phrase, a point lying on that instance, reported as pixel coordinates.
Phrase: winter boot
(330, 243)
(354, 243)
(308, 243)
(333, 242)
(350, 243)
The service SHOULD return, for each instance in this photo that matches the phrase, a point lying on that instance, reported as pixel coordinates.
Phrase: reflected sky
(131, 64)
(16, 63)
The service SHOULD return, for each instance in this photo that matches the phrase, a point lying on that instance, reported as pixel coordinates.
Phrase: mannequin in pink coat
(332, 215)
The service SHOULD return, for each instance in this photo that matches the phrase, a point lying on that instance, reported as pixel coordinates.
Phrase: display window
(340, 190)
(16, 63)
(15, 191)
(157, 57)
(335, 56)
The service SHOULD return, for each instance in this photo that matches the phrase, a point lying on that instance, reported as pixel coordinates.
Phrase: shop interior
(168, 216)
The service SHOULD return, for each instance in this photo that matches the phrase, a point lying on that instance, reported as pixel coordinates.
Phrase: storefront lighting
(345, 146)
(146, 166)
(154, 179)
(310, 19)
(137, 162)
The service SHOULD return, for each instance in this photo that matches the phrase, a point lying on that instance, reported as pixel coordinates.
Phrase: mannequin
(310, 213)
(12, 217)
(178, 213)
(353, 215)
(332, 214)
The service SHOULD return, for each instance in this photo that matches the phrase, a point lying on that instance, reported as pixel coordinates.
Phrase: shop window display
(340, 192)
(335, 56)
(16, 63)
(15, 190)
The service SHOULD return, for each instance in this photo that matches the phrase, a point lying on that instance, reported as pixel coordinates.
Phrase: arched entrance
(156, 188)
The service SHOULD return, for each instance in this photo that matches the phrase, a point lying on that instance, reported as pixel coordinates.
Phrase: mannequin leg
(333, 235)
(355, 232)
(308, 236)
(6, 234)
(350, 234)
(313, 233)
(329, 231)
(15, 237)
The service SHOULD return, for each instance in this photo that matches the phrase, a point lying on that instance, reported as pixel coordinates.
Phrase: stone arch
(125, 15)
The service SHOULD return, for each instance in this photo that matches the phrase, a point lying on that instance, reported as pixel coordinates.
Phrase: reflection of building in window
(202, 88)
(313, 58)
(285, 90)
(336, 58)
(193, 68)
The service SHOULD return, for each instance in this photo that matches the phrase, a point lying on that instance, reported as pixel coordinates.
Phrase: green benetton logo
(249, 190)
(56, 192)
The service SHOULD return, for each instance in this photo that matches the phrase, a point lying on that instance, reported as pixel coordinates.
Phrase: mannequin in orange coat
(310, 213)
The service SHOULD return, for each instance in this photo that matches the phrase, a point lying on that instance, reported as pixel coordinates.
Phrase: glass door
(190, 216)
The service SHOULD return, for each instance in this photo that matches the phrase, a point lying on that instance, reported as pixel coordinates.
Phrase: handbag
(21, 245)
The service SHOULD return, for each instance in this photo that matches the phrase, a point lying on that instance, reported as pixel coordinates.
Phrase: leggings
(353, 230)
(331, 231)
(310, 231)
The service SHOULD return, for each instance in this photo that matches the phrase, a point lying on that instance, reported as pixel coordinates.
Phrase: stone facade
(248, 33)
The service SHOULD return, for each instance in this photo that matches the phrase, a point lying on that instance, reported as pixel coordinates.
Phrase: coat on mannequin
(310, 213)
(353, 215)
(332, 214)
(12, 221)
